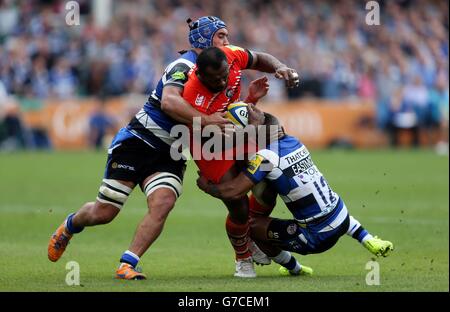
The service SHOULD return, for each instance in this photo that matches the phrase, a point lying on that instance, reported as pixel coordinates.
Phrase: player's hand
(258, 88)
(202, 182)
(289, 75)
(255, 116)
(217, 119)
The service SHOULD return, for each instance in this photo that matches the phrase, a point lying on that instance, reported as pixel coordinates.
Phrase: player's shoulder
(236, 53)
(185, 62)
(268, 154)
(232, 48)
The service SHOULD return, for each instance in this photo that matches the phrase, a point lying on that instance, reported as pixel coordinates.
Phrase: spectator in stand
(336, 53)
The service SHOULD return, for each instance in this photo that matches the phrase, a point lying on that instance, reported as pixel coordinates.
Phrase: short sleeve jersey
(208, 102)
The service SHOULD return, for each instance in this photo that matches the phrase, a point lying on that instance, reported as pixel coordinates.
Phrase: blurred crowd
(401, 64)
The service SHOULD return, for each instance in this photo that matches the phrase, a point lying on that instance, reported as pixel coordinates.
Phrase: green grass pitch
(401, 196)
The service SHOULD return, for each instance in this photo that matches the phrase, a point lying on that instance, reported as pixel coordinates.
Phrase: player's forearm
(233, 189)
(179, 109)
(250, 99)
(226, 191)
(266, 63)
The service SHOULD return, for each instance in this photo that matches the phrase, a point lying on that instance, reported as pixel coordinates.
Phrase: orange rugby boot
(58, 242)
(127, 272)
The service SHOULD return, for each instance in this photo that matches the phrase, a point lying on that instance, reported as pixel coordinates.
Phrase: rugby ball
(237, 113)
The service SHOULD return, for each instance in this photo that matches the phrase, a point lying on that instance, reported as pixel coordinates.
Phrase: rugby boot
(128, 272)
(378, 246)
(304, 270)
(58, 242)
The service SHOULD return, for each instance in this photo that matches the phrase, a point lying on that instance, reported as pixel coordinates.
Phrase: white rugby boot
(259, 257)
(245, 268)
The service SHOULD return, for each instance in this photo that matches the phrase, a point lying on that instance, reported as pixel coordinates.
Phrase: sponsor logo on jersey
(302, 165)
(115, 165)
(291, 229)
(178, 76)
(306, 165)
(254, 164)
(272, 235)
(234, 48)
(301, 153)
(229, 93)
(199, 100)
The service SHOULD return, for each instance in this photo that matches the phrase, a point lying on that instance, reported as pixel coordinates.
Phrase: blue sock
(69, 226)
(130, 258)
(291, 264)
(360, 233)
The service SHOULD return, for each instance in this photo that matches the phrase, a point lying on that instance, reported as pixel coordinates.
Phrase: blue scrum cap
(202, 31)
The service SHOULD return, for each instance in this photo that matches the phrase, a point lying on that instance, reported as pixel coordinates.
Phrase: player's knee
(258, 227)
(168, 182)
(160, 204)
(283, 229)
(113, 193)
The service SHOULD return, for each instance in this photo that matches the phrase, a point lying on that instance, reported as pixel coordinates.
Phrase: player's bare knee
(162, 191)
(114, 193)
(259, 226)
(252, 222)
(161, 203)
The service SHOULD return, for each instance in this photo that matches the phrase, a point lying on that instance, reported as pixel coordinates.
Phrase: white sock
(297, 268)
(367, 237)
(353, 226)
(283, 257)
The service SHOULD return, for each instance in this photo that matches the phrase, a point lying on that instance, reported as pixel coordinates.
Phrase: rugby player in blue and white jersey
(320, 216)
(140, 155)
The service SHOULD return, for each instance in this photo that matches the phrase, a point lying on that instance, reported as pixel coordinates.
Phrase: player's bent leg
(92, 213)
(112, 195)
(262, 201)
(283, 234)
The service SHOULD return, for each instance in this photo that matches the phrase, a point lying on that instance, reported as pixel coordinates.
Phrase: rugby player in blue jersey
(140, 155)
(320, 216)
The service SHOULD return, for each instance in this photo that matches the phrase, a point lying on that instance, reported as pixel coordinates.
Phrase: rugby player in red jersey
(213, 84)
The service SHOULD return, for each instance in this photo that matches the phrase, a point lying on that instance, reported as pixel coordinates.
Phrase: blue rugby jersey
(152, 125)
(291, 171)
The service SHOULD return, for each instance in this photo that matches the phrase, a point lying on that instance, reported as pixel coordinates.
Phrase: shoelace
(62, 241)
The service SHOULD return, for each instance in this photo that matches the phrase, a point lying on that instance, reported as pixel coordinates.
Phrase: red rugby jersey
(207, 102)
